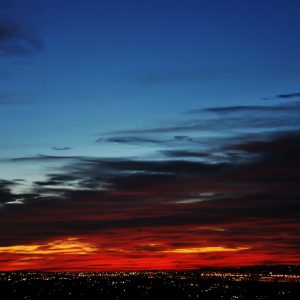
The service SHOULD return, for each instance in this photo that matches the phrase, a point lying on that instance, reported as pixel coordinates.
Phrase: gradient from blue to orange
(111, 111)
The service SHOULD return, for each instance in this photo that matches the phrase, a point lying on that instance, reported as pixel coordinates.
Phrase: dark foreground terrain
(255, 283)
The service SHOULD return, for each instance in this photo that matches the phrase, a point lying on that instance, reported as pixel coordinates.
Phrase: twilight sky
(149, 134)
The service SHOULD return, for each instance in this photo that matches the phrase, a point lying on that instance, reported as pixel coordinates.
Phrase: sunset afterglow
(149, 135)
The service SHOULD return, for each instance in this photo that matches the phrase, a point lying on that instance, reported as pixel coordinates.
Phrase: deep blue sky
(101, 66)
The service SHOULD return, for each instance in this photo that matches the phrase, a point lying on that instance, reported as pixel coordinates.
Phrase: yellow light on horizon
(205, 250)
(67, 246)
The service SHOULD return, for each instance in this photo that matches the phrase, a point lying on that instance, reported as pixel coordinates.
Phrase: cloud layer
(223, 199)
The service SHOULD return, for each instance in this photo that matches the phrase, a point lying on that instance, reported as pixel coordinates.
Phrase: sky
(146, 135)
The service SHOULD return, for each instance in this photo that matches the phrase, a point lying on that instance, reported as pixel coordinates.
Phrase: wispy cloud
(15, 39)
(16, 36)
(129, 140)
(227, 120)
(5, 193)
(42, 157)
(284, 96)
(247, 109)
(61, 148)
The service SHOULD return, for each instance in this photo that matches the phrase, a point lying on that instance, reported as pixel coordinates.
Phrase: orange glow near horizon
(67, 246)
(75, 247)
(132, 252)
(206, 250)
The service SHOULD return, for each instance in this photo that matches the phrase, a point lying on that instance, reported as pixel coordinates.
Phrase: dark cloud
(212, 157)
(248, 109)
(184, 153)
(229, 119)
(284, 149)
(8, 197)
(284, 96)
(16, 39)
(230, 109)
(127, 193)
(57, 180)
(245, 123)
(61, 148)
(129, 140)
(288, 96)
(42, 157)
(184, 138)
(16, 36)
(5, 193)
(148, 140)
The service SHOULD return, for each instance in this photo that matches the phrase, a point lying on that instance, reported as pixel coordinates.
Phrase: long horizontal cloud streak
(227, 119)
(234, 203)
(284, 96)
(287, 108)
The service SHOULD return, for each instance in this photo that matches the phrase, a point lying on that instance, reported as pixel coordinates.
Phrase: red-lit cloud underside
(180, 247)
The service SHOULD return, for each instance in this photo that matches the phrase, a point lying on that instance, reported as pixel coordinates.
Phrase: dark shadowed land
(259, 282)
